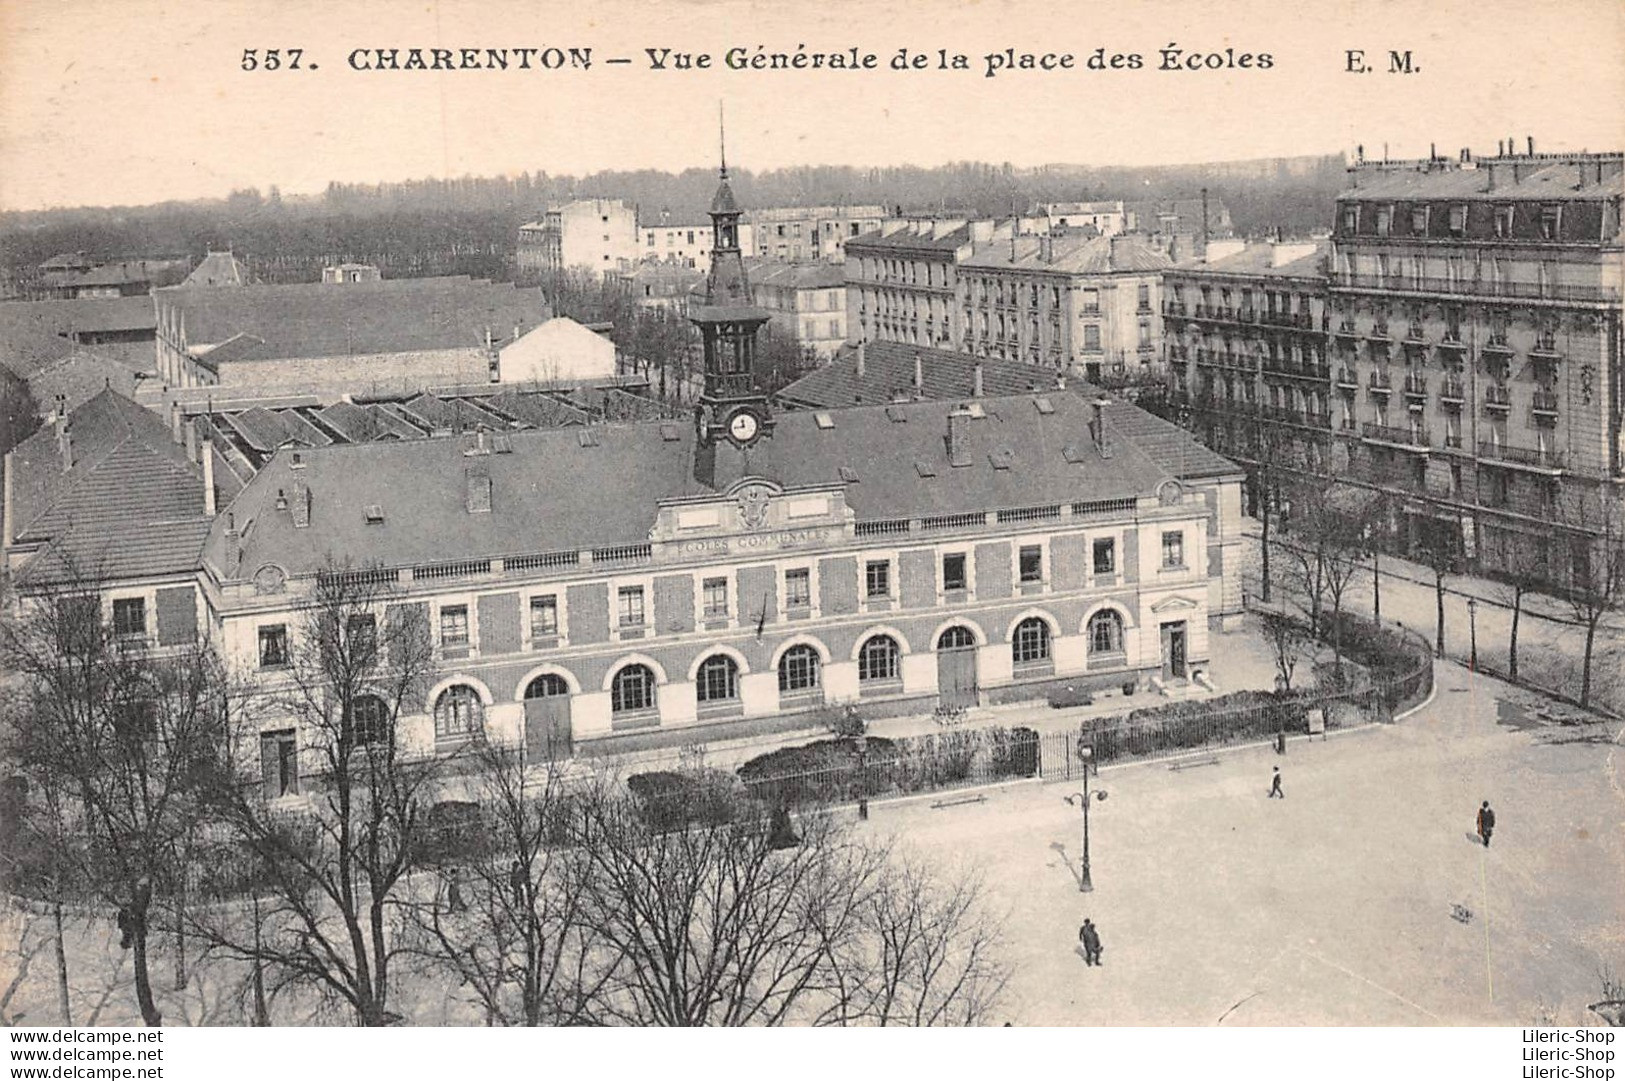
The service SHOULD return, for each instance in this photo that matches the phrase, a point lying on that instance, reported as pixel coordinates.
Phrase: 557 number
(273, 59)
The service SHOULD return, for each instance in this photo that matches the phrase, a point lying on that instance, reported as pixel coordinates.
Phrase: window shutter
(270, 767)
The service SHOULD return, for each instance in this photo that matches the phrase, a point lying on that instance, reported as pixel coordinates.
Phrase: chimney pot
(919, 372)
(209, 507)
(1531, 146)
(191, 440)
(860, 360)
(976, 380)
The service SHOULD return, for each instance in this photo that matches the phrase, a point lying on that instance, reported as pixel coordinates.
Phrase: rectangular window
(454, 627)
(1173, 549)
(130, 617)
(1106, 556)
(877, 578)
(1419, 220)
(953, 572)
(362, 631)
(631, 606)
(1091, 339)
(1384, 217)
(798, 588)
(1503, 221)
(279, 764)
(716, 598)
(1089, 301)
(1031, 559)
(1458, 219)
(544, 616)
(273, 646)
(1143, 298)
(1551, 220)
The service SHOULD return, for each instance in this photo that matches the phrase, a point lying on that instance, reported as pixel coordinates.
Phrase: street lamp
(1085, 883)
(1472, 634)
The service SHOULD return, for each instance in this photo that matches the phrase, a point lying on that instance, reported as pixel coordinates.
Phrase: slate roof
(131, 505)
(908, 240)
(313, 320)
(889, 369)
(820, 275)
(34, 333)
(556, 490)
(1073, 253)
(219, 268)
(1255, 261)
(1537, 179)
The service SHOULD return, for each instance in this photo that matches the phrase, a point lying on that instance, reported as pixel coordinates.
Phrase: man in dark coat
(1275, 785)
(1486, 822)
(1091, 942)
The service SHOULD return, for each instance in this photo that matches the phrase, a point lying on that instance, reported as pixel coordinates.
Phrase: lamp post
(1472, 634)
(1085, 882)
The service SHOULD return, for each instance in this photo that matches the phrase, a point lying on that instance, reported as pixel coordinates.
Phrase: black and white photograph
(716, 514)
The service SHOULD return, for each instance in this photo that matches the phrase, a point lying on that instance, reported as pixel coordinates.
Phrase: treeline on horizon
(469, 224)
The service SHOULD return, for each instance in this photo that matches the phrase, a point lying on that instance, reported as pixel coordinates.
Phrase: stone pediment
(1174, 604)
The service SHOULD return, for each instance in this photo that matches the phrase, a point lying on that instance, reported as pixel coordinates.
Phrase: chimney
(301, 505)
(208, 478)
(1060, 380)
(919, 372)
(175, 422)
(1531, 146)
(860, 360)
(959, 418)
(191, 439)
(234, 547)
(976, 380)
(64, 443)
(6, 469)
(1098, 426)
(1046, 249)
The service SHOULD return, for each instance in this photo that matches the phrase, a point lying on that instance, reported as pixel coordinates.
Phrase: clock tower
(731, 407)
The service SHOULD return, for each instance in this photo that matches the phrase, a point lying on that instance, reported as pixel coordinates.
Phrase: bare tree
(926, 951)
(336, 856)
(1439, 550)
(1289, 641)
(1520, 577)
(521, 946)
(713, 925)
(1597, 587)
(121, 735)
(1330, 523)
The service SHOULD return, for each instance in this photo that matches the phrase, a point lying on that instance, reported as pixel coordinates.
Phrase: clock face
(743, 426)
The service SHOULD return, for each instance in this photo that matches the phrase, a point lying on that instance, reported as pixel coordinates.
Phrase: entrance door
(547, 718)
(1173, 651)
(956, 667)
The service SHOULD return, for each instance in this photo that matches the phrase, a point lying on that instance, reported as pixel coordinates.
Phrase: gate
(547, 719)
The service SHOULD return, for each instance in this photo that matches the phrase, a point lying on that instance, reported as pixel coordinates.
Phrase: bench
(958, 801)
(1192, 763)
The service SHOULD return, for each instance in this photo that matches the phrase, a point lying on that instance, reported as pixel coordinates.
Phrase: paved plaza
(1333, 906)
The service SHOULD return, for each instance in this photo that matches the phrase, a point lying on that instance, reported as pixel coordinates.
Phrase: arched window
(1030, 642)
(1106, 632)
(547, 685)
(956, 637)
(877, 660)
(369, 719)
(633, 689)
(798, 669)
(458, 712)
(718, 679)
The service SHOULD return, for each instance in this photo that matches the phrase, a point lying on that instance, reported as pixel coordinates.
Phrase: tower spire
(722, 139)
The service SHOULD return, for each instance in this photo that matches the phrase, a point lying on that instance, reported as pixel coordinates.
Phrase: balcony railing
(1451, 390)
(1346, 378)
(1416, 386)
(1402, 437)
(1380, 383)
(1538, 457)
(1544, 349)
(1480, 288)
(1543, 401)
(1497, 397)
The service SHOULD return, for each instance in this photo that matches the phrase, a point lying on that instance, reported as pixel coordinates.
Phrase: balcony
(1538, 459)
(1380, 382)
(1543, 408)
(1497, 399)
(1173, 307)
(1347, 380)
(1379, 333)
(1497, 345)
(1512, 290)
(1451, 392)
(1545, 348)
(1412, 438)
(1452, 341)
(1345, 329)
(1416, 386)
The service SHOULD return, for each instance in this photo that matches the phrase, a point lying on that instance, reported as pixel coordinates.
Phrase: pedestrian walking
(1090, 938)
(516, 882)
(1486, 822)
(1275, 785)
(454, 891)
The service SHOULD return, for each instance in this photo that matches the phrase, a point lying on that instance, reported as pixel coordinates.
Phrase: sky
(106, 102)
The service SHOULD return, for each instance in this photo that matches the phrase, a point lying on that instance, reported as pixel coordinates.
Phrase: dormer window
(1551, 221)
(1503, 222)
